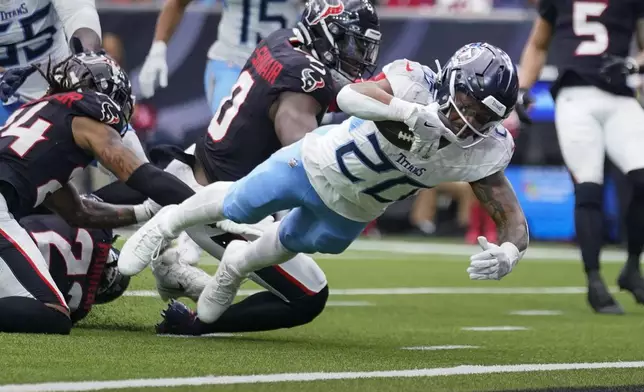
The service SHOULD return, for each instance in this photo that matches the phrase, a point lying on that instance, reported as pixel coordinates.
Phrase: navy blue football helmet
(113, 283)
(478, 89)
(343, 34)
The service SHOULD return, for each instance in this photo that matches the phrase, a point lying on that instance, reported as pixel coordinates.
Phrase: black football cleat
(178, 319)
(631, 280)
(600, 299)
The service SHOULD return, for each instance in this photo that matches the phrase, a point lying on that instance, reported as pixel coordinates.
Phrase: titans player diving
(339, 178)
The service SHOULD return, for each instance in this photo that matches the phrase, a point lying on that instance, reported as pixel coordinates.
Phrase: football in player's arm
(375, 101)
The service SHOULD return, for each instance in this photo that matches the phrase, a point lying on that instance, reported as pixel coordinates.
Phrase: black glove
(524, 102)
(12, 79)
(614, 66)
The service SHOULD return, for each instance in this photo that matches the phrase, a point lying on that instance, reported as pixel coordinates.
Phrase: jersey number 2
(76, 267)
(229, 107)
(581, 11)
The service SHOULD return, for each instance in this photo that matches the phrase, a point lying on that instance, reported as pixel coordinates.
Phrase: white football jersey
(245, 22)
(358, 173)
(30, 31)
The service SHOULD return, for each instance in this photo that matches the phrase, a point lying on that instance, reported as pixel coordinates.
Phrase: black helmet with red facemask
(343, 34)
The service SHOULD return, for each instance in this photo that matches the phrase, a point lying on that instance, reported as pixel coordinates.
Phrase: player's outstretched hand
(615, 65)
(524, 102)
(154, 70)
(428, 128)
(494, 262)
(12, 79)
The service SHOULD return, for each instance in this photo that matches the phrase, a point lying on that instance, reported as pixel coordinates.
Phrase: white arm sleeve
(362, 106)
(75, 14)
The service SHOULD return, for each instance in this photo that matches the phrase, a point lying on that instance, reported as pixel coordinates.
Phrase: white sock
(265, 251)
(204, 207)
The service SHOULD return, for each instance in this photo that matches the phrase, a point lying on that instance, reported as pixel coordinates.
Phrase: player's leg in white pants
(624, 139)
(297, 288)
(30, 301)
(580, 116)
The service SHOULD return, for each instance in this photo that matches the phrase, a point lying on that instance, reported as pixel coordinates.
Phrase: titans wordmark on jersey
(357, 172)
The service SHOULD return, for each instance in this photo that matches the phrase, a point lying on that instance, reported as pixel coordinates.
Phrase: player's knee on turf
(589, 195)
(27, 315)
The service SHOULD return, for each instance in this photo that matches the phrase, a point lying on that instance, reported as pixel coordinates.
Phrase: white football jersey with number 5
(358, 173)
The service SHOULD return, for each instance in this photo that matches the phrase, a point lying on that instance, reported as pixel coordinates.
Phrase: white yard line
(349, 303)
(320, 376)
(536, 313)
(540, 253)
(419, 291)
(438, 348)
(384, 249)
(494, 329)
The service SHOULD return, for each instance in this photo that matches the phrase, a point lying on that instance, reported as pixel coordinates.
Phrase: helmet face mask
(344, 35)
(113, 284)
(471, 120)
(357, 53)
(478, 89)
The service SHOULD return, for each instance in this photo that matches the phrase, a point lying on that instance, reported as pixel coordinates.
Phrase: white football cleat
(188, 250)
(145, 245)
(175, 279)
(222, 289)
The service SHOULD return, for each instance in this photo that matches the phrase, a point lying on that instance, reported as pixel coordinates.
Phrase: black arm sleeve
(162, 187)
(119, 193)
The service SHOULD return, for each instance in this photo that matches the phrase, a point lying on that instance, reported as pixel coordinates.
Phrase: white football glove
(494, 262)
(428, 129)
(154, 69)
(251, 231)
